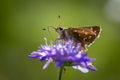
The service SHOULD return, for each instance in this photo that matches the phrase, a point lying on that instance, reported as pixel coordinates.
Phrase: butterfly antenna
(48, 29)
(59, 18)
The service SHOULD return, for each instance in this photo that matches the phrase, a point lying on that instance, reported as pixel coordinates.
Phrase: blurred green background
(21, 33)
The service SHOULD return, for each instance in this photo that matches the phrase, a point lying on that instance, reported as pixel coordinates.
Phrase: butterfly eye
(61, 28)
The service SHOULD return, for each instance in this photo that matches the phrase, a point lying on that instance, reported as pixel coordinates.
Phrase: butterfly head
(59, 30)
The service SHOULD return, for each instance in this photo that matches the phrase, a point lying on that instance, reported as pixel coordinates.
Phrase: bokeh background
(21, 25)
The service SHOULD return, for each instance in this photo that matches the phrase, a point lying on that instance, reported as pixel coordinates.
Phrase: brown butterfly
(83, 35)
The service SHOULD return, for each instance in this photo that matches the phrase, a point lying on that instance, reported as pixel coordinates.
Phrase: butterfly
(83, 35)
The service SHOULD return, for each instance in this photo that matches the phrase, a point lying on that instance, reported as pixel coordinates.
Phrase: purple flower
(64, 54)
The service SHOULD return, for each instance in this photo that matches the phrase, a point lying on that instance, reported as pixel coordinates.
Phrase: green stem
(60, 73)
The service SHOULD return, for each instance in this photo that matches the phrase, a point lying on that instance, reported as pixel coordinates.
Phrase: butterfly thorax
(62, 33)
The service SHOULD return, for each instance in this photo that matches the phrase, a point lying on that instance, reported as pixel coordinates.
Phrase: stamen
(45, 41)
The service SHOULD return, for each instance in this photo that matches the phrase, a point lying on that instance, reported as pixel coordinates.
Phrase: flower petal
(47, 63)
(82, 69)
(91, 67)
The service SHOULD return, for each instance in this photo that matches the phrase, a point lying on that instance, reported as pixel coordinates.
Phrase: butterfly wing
(84, 35)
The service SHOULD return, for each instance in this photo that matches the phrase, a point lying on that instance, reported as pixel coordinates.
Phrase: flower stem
(60, 73)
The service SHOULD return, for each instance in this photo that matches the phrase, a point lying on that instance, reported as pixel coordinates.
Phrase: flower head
(64, 54)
